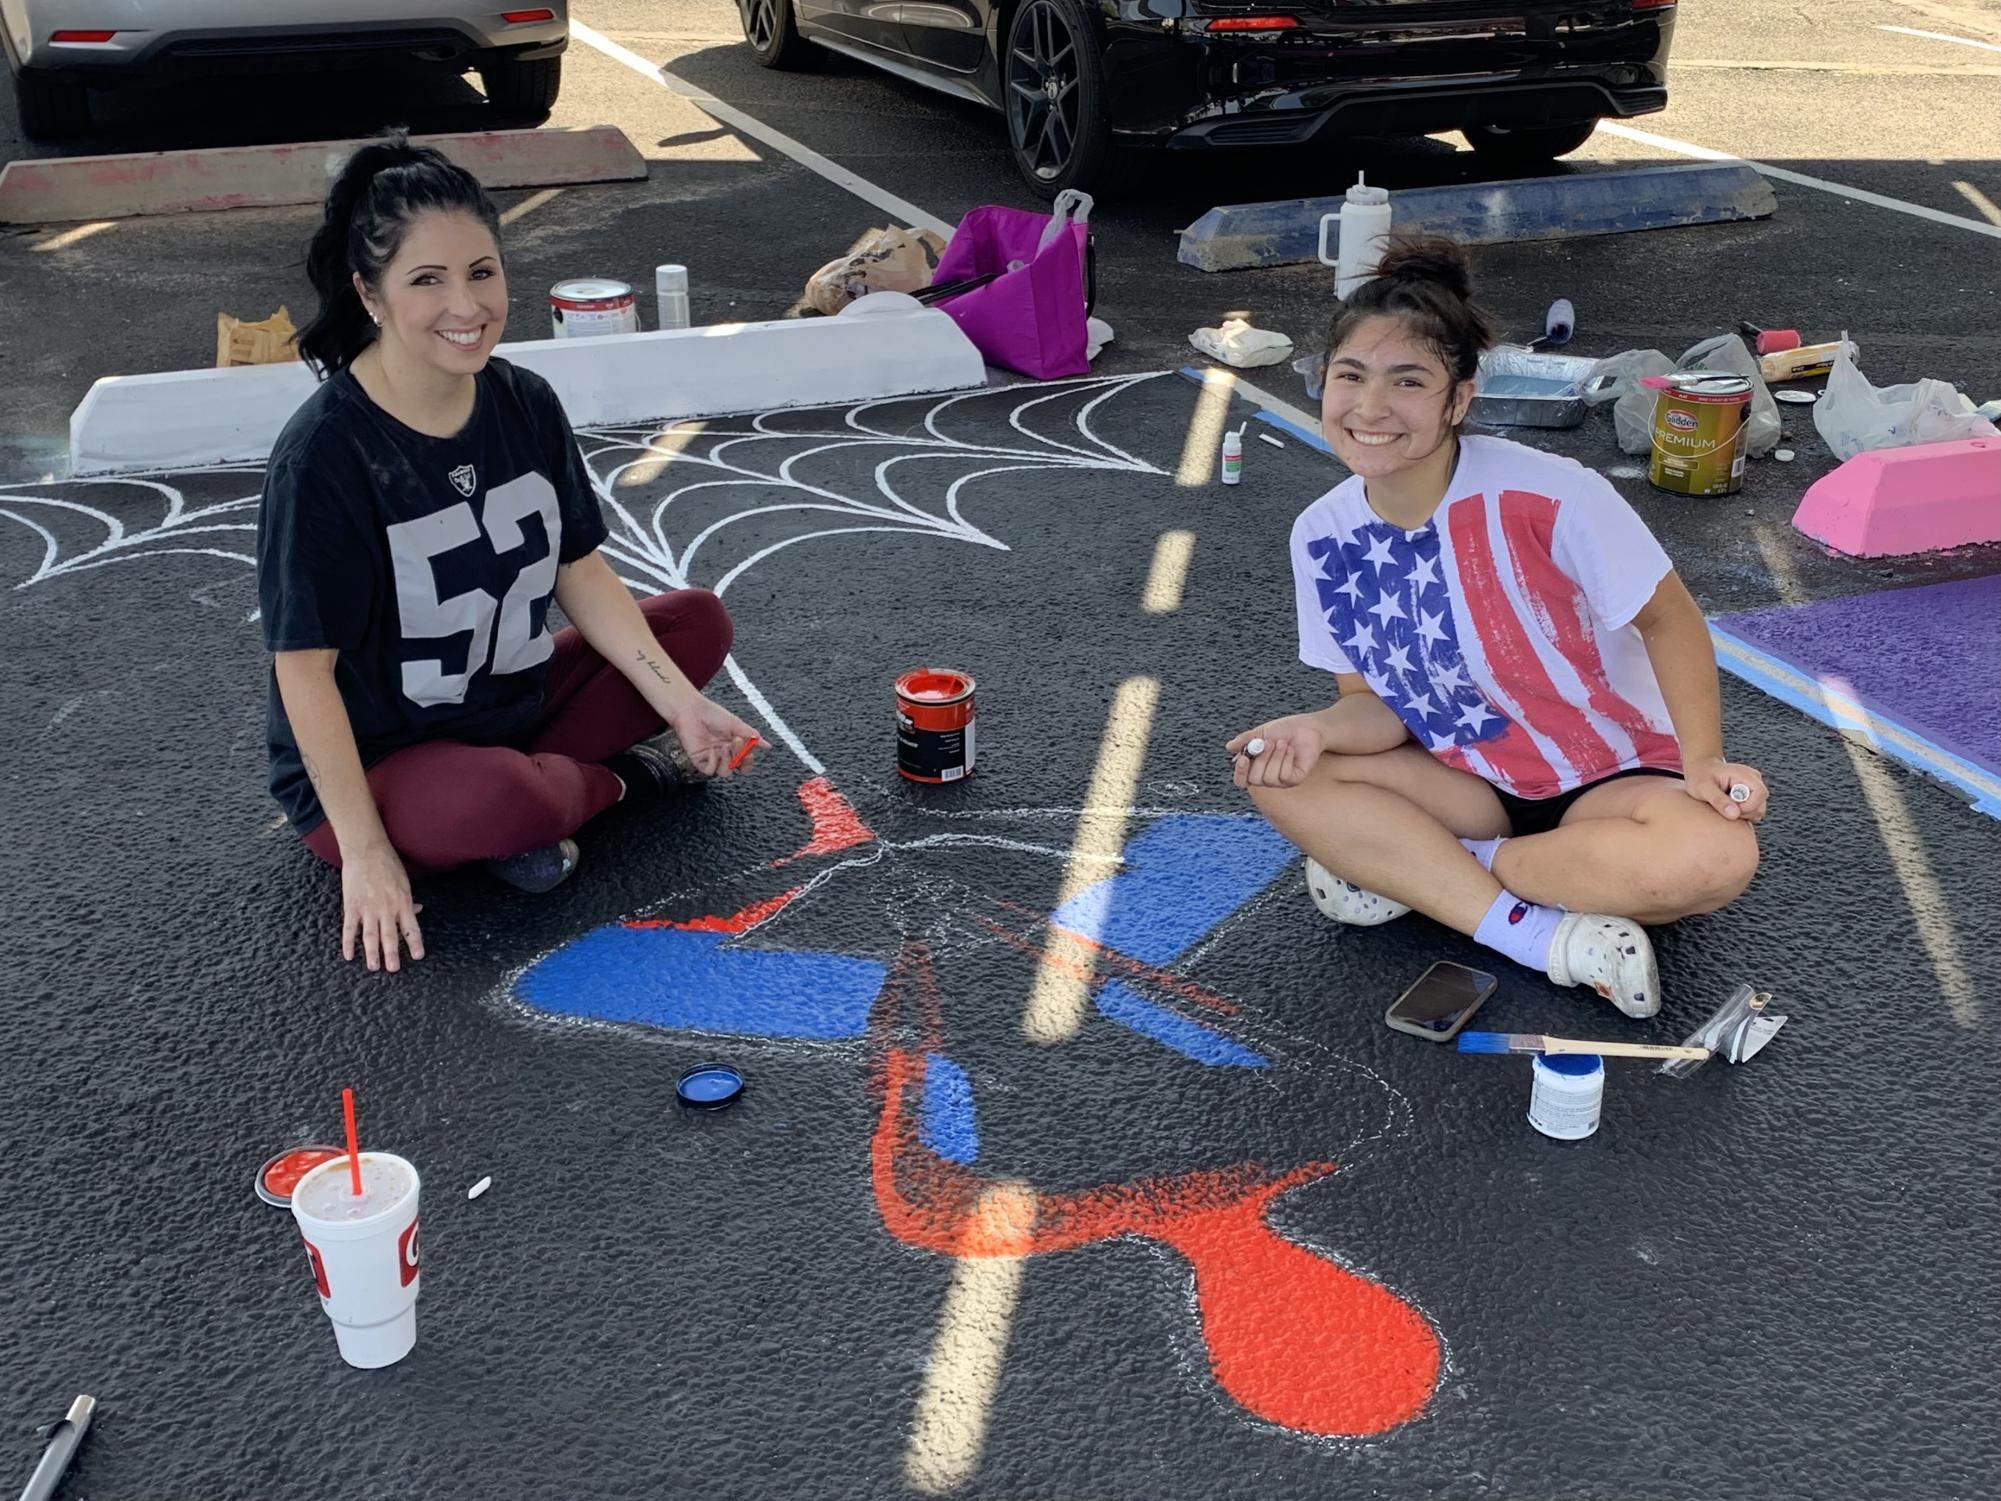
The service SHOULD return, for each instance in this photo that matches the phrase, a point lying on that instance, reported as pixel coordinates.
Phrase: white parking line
(1840, 190)
(1940, 36)
(903, 211)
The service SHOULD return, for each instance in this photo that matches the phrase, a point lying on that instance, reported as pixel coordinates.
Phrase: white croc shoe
(1611, 955)
(1346, 902)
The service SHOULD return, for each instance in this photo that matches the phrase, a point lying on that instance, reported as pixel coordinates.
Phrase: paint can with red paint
(582, 309)
(934, 725)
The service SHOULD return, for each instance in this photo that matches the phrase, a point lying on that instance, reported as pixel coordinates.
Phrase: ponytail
(383, 187)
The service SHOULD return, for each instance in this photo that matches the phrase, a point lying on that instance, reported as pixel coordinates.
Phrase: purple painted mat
(1928, 658)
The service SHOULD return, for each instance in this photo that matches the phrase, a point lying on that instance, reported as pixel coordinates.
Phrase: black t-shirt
(427, 563)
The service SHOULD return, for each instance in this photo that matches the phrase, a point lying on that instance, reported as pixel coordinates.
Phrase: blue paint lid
(1578, 1064)
(709, 1086)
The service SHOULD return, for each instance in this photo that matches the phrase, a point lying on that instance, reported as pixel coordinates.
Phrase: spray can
(670, 295)
(1233, 456)
(1365, 230)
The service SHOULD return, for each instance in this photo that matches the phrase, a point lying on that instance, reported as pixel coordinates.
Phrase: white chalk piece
(479, 1188)
(1271, 440)
(1739, 793)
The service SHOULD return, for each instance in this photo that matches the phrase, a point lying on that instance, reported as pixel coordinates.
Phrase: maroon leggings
(445, 803)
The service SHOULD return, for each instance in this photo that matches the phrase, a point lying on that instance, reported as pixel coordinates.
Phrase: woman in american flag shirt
(1528, 743)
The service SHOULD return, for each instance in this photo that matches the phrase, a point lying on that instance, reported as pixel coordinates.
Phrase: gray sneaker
(539, 870)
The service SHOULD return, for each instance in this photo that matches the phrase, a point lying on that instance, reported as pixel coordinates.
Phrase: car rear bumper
(1393, 69)
(163, 55)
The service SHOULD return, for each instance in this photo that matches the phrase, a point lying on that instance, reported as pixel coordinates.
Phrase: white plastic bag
(1236, 343)
(1855, 417)
(1727, 353)
(1618, 379)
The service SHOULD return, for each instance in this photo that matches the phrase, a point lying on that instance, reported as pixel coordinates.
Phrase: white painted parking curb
(185, 419)
(58, 190)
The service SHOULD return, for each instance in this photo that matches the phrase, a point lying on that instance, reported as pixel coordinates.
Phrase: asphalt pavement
(936, 1251)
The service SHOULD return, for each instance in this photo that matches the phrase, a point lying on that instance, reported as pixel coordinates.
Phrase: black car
(1527, 80)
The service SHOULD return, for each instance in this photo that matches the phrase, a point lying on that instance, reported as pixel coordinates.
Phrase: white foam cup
(364, 1253)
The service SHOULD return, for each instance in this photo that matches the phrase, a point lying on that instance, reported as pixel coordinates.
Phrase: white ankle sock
(1519, 929)
(1483, 850)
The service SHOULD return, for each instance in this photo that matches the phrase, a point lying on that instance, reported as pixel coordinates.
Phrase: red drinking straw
(353, 1151)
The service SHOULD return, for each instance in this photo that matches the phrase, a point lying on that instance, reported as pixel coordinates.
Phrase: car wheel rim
(762, 23)
(1043, 99)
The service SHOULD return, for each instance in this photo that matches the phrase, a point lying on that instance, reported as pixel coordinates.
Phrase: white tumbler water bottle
(670, 295)
(1365, 230)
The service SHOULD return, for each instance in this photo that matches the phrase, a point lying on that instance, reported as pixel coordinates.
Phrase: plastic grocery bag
(883, 260)
(1728, 354)
(1618, 379)
(1026, 286)
(1855, 417)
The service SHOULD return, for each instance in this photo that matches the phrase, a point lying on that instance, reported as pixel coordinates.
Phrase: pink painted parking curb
(59, 190)
(1896, 501)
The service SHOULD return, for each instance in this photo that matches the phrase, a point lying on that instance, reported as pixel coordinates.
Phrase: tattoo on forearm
(654, 668)
(312, 771)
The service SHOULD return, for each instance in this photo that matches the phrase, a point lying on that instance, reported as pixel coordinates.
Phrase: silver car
(61, 49)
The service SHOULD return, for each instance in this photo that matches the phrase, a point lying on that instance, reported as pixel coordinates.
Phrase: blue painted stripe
(1284, 424)
(1236, 236)
(667, 977)
(1119, 1004)
(945, 1125)
(1182, 876)
(1838, 711)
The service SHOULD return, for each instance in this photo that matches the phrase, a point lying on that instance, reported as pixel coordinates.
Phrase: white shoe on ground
(1610, 954)
(1346, 902)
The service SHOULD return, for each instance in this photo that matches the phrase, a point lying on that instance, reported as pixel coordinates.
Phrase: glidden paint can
(582, 309)
(934, 725)
(1699, 433)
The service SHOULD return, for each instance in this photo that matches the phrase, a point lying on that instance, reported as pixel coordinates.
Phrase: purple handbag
(1030, 319)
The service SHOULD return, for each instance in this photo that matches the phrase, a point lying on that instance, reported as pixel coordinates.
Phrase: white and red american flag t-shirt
(1501, 630)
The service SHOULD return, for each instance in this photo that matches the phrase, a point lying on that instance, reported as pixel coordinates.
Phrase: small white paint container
(670, 296)
(585, 308)
(1567, 1093)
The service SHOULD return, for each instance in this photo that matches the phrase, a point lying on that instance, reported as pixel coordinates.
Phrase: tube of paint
(1233, 456)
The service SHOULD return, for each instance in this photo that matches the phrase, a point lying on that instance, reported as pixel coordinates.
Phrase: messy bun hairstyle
(384, 187)
(1425, 281)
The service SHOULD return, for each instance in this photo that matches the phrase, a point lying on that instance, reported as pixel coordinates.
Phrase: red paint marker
(748, 746)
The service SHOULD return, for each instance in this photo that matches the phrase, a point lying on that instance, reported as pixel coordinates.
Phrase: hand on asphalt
(712, 736)
(376, 910)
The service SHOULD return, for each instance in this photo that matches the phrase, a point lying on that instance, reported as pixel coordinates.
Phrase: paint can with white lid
(1567, 1094)
(588, 306)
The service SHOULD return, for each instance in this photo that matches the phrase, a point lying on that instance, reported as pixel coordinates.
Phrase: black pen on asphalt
(62, 1448)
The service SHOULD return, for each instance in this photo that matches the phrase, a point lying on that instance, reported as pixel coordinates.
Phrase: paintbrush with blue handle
(1535, 1042)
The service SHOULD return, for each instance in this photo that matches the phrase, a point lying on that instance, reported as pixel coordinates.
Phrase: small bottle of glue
(1233, 456)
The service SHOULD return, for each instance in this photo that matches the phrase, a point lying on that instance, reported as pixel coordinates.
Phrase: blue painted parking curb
(1239, 236)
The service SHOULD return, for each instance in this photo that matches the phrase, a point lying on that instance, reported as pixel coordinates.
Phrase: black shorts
(1538, 815)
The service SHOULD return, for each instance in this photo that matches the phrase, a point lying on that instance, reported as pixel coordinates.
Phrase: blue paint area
(1171, 1029)
(1182, 876)
(1287, 232)
(1287, 425)
(665, 977)
(946, 1124)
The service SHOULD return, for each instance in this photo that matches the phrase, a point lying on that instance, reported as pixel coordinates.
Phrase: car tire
(1529, 144)
(772, 32)
(523, 86)
(51, 105)
(1053, 90)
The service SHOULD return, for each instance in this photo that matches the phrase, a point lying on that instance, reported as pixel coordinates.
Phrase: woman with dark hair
(421, 511)
(1528, 742)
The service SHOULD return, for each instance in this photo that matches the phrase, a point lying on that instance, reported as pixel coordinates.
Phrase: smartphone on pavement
(1441, 1002)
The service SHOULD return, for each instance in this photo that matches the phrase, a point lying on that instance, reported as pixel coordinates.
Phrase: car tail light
(1651, 4)
(1265, 23)
(83, 36)
(523, 17)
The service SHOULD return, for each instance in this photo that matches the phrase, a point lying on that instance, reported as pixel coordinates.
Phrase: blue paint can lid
(1581, 1065)
(709, 1086)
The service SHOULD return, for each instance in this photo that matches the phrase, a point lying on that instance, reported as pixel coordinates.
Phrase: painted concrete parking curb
(190, 418)
(1895, 501)
(1825, 701)
(58, 190)
(1240, 236)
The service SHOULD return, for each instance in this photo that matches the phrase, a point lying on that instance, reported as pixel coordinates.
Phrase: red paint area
(741, 921)
(836, 825)
(1292, 1338)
